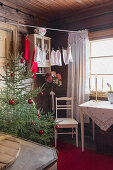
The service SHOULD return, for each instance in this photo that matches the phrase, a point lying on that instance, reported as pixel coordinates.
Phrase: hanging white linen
(43, 57)
(56, 58)
(78, 71)
(40, 56)
(37, 54)
(67, 55)
(53, 58)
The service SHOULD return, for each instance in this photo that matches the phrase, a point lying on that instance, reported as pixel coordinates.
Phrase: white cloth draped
(56, 58)
(78, 71)
(67, 56)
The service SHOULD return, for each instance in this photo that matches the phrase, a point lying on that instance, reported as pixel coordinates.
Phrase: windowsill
(99, 95)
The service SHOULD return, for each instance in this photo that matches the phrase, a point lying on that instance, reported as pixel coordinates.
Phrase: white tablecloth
(100, 112)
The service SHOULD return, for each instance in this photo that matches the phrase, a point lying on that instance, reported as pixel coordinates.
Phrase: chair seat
(66, 121)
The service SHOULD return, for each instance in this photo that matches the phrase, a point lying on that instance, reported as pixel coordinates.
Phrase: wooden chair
(65, 122)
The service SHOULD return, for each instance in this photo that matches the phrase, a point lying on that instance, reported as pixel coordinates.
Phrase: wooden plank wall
(59, 41)
(94, 19)
(9, 15)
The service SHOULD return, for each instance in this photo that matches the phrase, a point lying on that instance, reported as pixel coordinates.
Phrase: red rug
(72, 158)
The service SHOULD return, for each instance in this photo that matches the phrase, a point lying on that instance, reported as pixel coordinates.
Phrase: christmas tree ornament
(31, 121)
(34, 77)
(41, 93)
(38, 115)
(41, 132)
(22, 60)
(30, 101)
(12, 101)
(19, 115)
(11, 74)
(21, 131)
(57, 127)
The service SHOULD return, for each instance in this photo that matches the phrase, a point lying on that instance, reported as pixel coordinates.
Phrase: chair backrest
(66, 106)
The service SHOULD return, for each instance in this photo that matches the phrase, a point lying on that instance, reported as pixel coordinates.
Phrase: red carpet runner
(72, 158)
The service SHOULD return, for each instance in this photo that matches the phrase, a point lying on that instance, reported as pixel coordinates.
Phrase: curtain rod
(32, 26)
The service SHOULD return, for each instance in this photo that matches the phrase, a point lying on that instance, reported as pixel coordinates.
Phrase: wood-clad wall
(93, 19)
(11, 16)
(59, 41)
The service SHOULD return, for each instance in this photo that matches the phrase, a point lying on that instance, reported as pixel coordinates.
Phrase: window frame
(93, 92)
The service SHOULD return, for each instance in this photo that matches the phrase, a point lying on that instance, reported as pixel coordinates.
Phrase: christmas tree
(18, 113)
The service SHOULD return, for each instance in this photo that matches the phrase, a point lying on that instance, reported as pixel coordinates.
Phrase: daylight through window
(101, 64)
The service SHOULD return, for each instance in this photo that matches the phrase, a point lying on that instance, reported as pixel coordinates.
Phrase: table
(100, 112)
(34, 156)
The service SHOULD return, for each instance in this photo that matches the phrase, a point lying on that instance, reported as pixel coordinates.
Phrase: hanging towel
(67, 55)
(37, 54)
(53, 58)
(34, 65)
(40, 56)
(27, 50)
(43, 57)
(58, 58)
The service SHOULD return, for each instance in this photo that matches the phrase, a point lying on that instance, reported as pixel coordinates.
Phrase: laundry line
(34, 26)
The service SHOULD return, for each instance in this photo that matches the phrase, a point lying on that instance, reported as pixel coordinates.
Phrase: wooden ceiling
(56, 9)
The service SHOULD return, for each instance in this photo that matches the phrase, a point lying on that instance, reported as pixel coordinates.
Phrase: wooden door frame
(8, 27)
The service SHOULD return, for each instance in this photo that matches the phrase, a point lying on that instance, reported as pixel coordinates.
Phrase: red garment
(34, 64)
(34, 68)
(27, 50)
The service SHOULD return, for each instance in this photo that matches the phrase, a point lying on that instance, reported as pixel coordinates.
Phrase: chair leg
(72, 133)
(76, 131)
(55, 137)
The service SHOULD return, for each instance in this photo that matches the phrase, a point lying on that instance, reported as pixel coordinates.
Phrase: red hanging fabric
(34, 64)
(27, 50)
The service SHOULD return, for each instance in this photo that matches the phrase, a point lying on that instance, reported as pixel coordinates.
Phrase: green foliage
(17, 115)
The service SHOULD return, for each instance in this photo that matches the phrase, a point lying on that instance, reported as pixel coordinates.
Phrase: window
(101, 64)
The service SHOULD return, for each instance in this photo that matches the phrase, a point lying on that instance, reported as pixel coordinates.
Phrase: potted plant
(110, 94)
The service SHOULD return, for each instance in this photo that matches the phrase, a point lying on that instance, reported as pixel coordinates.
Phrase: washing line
(33, 26)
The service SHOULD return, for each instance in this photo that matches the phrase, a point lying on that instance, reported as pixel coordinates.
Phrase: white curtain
(78, 71)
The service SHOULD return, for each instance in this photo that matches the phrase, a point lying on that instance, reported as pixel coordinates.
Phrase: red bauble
(31, 121)
(30, 101)
(41, 93)
(22, 60)
(21, 131)
(12, 74)
(57, 127)
(11, 101)
(7, 64)
(34, 77)
(41, 132)
(38, 115)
